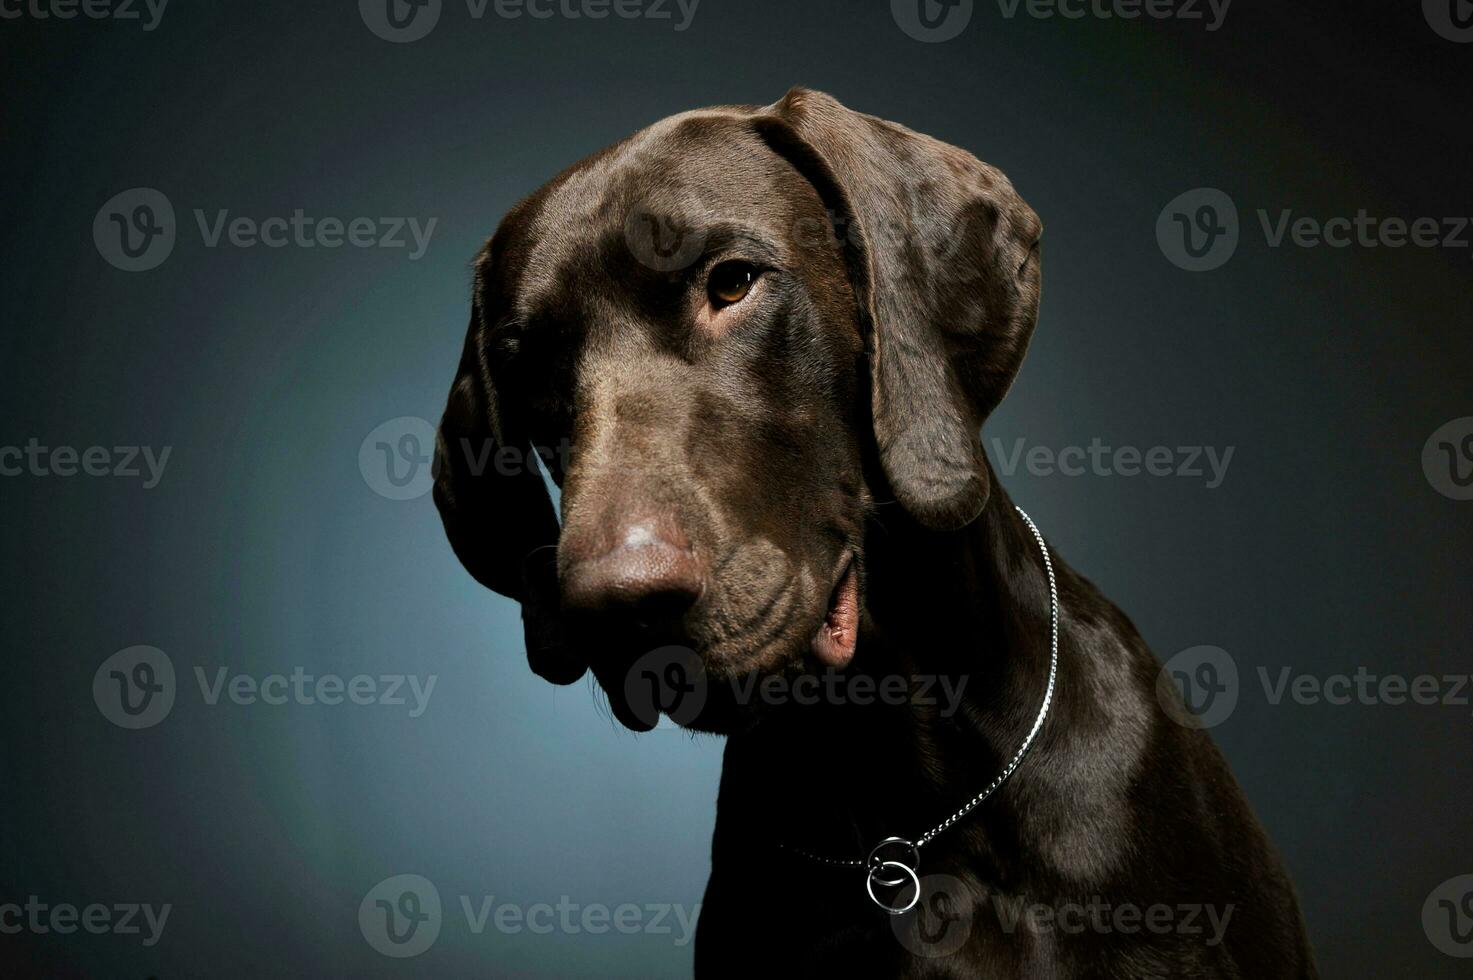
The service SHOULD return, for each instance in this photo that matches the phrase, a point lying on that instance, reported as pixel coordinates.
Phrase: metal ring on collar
(911, 859)
(908, 873)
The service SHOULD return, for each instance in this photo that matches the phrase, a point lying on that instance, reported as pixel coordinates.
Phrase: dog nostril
(660, 609)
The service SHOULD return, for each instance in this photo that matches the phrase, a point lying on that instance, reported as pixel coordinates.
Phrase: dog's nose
(650, 575)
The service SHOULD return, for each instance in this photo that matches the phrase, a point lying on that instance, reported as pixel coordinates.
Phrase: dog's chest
(958, 929)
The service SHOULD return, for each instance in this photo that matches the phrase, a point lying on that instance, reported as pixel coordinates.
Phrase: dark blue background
(264, 548)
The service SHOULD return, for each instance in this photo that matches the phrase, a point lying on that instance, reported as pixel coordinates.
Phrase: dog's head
(727, 338)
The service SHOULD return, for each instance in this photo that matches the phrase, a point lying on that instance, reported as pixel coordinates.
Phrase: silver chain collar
(896, 854)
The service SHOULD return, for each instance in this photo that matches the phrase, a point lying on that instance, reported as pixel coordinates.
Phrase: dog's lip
(835, 639)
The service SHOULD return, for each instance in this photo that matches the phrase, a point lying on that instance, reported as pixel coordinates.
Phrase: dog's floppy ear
(496, 509)
(944, 258)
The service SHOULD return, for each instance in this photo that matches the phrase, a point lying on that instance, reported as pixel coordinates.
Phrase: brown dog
(755, 348)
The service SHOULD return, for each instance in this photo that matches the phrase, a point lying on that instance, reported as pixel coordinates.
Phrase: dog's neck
(963, 618)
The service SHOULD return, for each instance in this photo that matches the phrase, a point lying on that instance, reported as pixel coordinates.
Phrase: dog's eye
(730, 282)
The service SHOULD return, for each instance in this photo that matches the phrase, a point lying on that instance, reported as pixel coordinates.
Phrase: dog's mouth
(833, 643)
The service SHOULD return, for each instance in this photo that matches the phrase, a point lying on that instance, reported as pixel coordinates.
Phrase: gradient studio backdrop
(269, 545)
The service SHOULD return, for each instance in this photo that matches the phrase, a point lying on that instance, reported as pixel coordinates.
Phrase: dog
(754, 348)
